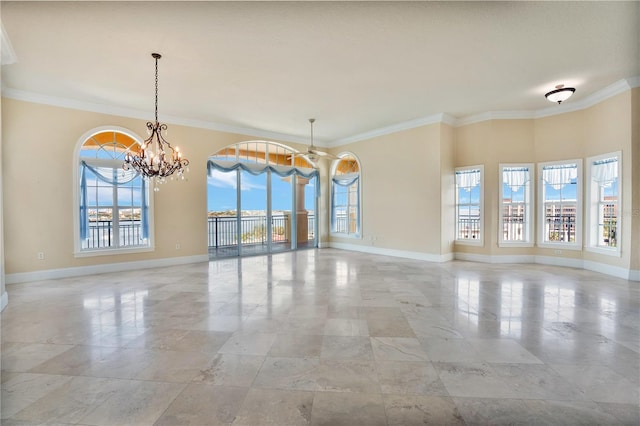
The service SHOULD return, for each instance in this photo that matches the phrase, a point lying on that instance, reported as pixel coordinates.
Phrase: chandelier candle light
(156, 159)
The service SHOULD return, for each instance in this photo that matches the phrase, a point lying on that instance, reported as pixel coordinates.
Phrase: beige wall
(447, 189)
(490, 143)
(603, 128)
(2, 273)
(608, 128)
(39, 141)
(407, 181)
(400, 190)
(635, 178)
(600, 129)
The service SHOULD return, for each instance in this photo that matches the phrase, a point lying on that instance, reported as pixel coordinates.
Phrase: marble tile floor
(324, 337)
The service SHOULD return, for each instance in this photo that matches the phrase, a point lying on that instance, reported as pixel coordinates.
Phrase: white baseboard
(615, 271)
(559, 261)
(394, 253)
(5, 301)
(483, 258)
(603, 268)
(52, 274)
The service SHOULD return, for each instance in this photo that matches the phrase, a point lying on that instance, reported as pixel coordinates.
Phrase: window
(516, 187)
(469, 198)
(113, 209)
(603, 201)
(345, 196)
(560, 204)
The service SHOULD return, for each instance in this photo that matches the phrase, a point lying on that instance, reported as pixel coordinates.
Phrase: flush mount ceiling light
(156, 159)
(560, 94)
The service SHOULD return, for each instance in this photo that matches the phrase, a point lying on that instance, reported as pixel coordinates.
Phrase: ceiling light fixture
(560, 94)
(156, 158)
(313, 155)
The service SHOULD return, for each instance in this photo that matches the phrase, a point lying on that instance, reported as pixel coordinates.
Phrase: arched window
(345, 196)
(112, 211)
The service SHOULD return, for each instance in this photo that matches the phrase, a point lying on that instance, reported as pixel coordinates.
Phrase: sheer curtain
(113, 177)
(467, 179)
(559, 176)
(515, 177)
(605, 171)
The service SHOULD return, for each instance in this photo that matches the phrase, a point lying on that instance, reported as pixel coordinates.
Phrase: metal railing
(560, 227)
(513, 228)
(607, 232)
(222, 230)
(100, 234)
(468, 228)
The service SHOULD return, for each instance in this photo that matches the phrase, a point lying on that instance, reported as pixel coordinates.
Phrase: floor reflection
(336, 331)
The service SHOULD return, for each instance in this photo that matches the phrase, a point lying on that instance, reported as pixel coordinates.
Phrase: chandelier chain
(156, 89)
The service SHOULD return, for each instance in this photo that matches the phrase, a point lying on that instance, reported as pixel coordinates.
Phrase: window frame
(78, 251)
(470, 242)
(560, 245)
(529, 207)
(591, 189)
(358, 234)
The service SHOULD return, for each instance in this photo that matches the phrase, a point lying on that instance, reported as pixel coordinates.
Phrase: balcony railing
(513, 228)
(560, 227)
(468, 228)
(607, 232)
(222, 230)
(100, 234)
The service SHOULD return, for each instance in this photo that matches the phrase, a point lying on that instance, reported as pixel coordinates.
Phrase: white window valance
(559, 176)
(605, 171)
(468, 179)
(515, 177)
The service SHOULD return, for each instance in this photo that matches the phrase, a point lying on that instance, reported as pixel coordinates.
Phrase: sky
(221, 192)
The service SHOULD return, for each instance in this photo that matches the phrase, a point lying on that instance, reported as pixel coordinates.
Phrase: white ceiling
(353, 66)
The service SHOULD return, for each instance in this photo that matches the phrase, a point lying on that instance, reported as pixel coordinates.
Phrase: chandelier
(156, 159)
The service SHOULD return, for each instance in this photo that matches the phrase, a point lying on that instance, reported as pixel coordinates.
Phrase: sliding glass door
(282, 223)
(254, 237)
(256, 207)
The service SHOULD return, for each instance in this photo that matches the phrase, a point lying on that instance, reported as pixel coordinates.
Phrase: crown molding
(22, 95)
(8, 54)
(614, 89)
(394, 128)
(595, 98)
(634, 82)
(495, 115)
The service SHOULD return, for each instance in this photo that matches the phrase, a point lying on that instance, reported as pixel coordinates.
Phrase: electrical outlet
(40, 255)
(557, 251)
(177, 246)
